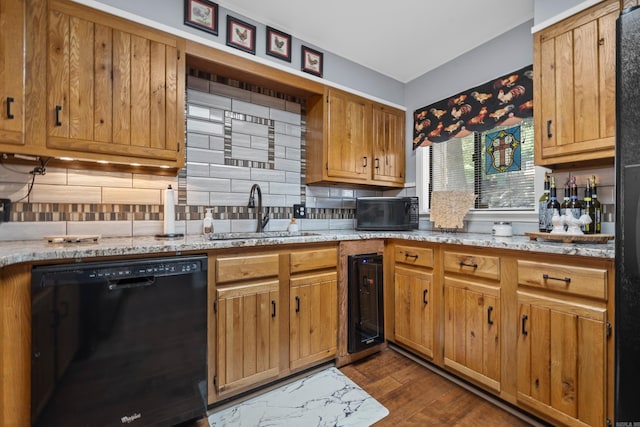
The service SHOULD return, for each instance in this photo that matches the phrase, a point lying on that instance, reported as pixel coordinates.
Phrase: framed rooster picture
(241, 35)
(312, 61)
(201, 14)
(278, 44)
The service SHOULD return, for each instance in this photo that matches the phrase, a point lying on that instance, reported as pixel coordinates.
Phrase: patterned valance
(503, 101)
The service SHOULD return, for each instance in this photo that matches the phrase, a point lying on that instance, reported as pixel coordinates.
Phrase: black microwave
(387, 213)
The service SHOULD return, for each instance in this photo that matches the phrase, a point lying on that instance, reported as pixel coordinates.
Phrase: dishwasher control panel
(145, 270)
(115, 270)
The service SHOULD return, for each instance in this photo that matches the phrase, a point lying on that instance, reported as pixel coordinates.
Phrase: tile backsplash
(237, 135)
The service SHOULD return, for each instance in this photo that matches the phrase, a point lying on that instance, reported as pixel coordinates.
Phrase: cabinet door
(313, 318)
(414, 309)
(247, 334)
(575, 88)
(472, 330)
(348, 141)
(561, 358)
(388, 145)
(114, 88)
(11, 73)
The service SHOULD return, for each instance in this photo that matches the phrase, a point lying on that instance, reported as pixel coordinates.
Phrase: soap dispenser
(293, 226)
(207, 223)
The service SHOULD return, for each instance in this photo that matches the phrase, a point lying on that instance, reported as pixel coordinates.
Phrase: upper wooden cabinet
(353, 140)
(11, 74)
(574, 88)
(113, 90)
(388, 145)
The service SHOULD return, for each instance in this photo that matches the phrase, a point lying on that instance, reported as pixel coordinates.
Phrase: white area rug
(326, 398)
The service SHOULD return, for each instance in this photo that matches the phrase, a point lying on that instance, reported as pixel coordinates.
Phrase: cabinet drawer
(412, 255)
(230, 269)
(584, 281)
(313, 259)
(472, 265)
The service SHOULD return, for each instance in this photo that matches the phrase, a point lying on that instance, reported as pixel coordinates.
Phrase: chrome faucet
(261, 221)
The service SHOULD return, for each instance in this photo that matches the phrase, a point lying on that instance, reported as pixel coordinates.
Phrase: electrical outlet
(299, 211)
(5, 210)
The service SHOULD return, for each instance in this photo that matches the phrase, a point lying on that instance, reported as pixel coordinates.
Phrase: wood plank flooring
(416, 396)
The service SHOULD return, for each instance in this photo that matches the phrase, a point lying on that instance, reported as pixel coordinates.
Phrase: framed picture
(241, 35)
(311, 61)
(201, 14)
(278, 44)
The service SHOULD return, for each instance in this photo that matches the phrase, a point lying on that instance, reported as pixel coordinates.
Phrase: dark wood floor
(416, 396)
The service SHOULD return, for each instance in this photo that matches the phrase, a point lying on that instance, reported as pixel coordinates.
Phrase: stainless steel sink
(255, 235)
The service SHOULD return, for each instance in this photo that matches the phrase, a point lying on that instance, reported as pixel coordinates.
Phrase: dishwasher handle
(116, 285)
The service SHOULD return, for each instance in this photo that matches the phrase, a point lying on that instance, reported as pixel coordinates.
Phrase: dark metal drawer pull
(9, 102)
(549, 134)
(424, 296)
(273, 306)
(297, 304)
(524, 324)
(567, 280)
(464, 264)
(408, 255)
(58, 109)
(489, 311)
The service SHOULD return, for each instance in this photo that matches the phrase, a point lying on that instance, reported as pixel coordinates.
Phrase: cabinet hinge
(179, 54)
(609, 329)
(609, 423)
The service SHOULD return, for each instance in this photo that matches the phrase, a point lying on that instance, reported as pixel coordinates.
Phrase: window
(462, 164)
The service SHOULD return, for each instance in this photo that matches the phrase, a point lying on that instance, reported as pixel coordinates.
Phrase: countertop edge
(15, 252)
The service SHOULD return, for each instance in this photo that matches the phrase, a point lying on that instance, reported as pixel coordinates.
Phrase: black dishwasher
(119, 343)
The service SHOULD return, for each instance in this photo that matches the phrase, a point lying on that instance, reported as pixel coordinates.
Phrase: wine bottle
(574, 203)
(553, 207)
(589, 209)
(542, 206)
(566, 198)
(596, 204)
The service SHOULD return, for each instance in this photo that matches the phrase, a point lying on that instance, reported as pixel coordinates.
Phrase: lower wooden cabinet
(536, 330)
(563, 340)
(562, 359)
(472, 325)
(273, 312)
(247, 334)
(414, 309)
(313, 318)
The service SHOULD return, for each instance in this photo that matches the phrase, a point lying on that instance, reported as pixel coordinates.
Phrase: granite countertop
(14, 252)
